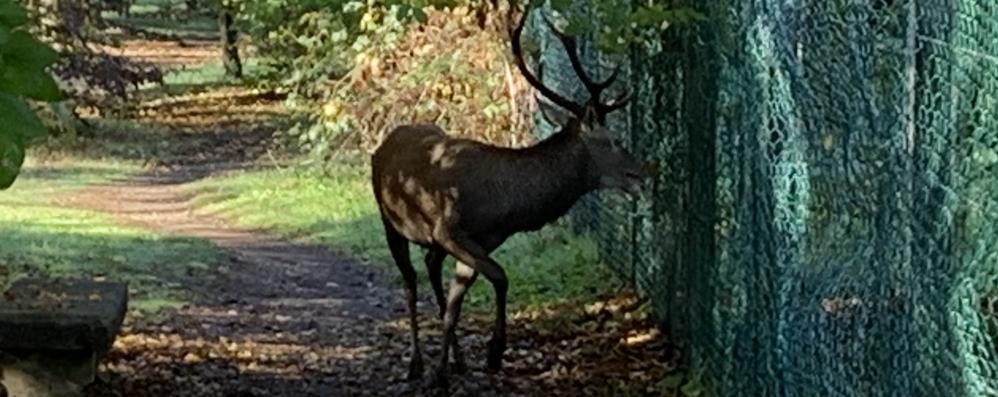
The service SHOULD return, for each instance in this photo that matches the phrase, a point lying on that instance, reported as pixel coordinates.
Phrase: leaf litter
(287, 319)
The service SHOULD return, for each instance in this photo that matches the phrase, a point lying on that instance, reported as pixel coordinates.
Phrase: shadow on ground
(211, 352)
(279, 318)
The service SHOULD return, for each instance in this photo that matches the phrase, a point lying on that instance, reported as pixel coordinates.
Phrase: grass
(204, 77)
(211, 73)
(149, 16)
(337, 208)
(192, 28)
(41, 238)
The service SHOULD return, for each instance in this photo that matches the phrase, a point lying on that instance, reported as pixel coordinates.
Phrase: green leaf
(12, 14)
(673, 381)
(419, 15)
(561, 5)
(11, 158)
(16, 119)
(577, 25)
(4, 35)
(33, 84)
(23, 73)
(401, 12)
(24, 50)
(440, 4)
(692, 389)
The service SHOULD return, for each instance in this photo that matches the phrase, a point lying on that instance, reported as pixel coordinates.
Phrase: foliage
(336, 208)
(448, 71)
(311, 42)
(617, 28)
(76, 29)
(23, 60)
(316, 38)
(356, 69)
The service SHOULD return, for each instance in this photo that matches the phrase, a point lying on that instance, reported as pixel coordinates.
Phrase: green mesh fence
(824, 224)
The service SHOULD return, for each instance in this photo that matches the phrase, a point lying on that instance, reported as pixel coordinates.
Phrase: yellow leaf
(828, 141)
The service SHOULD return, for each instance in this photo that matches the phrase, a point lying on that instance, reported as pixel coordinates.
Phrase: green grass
(203, 77)
(338, 209)
(46, 178)
(41, 238)
(192, 28)
(149, 16)
(210, 73)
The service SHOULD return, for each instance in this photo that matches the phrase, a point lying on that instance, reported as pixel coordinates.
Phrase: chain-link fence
(824, 224)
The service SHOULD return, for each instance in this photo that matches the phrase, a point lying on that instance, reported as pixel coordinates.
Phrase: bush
(357, 69)
(87, 75)
(447, 71)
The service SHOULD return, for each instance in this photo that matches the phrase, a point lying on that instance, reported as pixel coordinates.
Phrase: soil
(285, 318)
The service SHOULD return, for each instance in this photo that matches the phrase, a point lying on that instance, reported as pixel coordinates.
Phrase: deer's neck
(553, 175)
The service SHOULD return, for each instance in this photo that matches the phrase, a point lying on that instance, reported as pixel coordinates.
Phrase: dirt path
(282, 319)
(290, 319)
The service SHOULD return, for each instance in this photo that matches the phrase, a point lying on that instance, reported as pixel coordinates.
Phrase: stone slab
(62, 315)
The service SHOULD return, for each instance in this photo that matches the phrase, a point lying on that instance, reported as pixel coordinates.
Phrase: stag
(464, 198)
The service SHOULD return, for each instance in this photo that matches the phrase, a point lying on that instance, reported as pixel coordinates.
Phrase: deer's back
(412, 182)
(422, 177)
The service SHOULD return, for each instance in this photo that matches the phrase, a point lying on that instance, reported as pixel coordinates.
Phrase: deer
(464, 198)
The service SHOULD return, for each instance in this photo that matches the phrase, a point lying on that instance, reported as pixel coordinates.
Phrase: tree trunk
(230, 52)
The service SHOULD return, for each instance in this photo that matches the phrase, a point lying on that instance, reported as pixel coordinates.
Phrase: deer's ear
(554, 114)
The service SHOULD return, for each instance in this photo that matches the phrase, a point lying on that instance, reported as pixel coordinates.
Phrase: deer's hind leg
(399, 248)
(464, 277)
(473, 259)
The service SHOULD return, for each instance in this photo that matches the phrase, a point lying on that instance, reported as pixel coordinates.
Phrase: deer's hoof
(416, 368)
(493, 364)
(439, 379)
(494, 359)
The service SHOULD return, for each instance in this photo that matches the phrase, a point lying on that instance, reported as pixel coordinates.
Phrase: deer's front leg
(474, 255)
(497, 345)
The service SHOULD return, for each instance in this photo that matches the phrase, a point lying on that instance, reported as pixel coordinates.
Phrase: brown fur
(464, 198)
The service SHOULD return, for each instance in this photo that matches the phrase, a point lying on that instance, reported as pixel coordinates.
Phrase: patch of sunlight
(42, 238)
(151, 305)
(41, 179)
(336, 207)
(208, 73)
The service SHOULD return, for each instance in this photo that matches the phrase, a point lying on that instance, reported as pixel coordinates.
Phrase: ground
(273, 316)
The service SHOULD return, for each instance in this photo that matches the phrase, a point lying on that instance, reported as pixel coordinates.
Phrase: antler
(566, 103)
(595, 88)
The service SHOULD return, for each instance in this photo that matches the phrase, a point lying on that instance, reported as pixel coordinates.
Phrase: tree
(23, 60)
(87, 75)
(229, 35)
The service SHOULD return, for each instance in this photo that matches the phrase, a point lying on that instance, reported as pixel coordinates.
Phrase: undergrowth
(450, 71)
(335, 207)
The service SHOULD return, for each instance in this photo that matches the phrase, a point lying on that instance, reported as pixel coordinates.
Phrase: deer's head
(610, 162)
